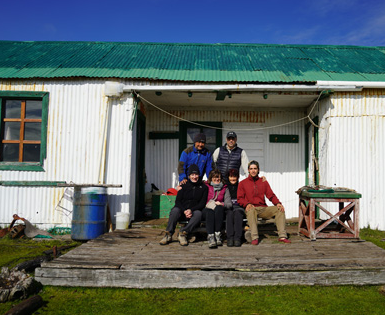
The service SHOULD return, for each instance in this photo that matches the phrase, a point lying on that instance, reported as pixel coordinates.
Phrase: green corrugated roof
(191, 62)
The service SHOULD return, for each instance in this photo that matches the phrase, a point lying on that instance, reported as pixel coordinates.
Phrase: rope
(252, 129)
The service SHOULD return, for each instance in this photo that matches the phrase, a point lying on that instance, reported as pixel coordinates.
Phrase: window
(188, 131)
(23, 130)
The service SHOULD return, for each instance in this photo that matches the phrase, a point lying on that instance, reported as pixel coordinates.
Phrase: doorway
(140, 169)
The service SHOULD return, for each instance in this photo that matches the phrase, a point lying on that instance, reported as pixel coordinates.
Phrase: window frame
(183, 126)
(25, 95)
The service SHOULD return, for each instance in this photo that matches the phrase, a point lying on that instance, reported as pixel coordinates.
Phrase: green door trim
(140, 164)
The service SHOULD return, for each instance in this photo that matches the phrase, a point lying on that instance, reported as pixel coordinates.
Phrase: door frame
(140, 165)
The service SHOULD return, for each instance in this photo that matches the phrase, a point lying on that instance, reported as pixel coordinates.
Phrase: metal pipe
(363, 84)
(117, 89)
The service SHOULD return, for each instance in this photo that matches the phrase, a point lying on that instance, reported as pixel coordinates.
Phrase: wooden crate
(162, 205)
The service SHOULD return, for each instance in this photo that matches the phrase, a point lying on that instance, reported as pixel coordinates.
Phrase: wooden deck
(134, 259)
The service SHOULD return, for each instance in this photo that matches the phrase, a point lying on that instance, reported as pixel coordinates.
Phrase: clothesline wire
(220, 128)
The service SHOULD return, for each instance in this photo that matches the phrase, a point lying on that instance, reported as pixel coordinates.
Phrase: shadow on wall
(120, 203)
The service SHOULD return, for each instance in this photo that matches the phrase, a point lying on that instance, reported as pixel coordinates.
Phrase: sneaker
(237, 243)
(182, 238)
(248, 236)
(255, 242)
(211, 241)
(230, 242)
(218, 238)
(166, 239)
(284, 240)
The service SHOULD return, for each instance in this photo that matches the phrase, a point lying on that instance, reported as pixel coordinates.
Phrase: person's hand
(184, 181)
(280, 207)
(188, 213)
(218, 203)
(248, 207)
(264, 178)
(179, 188)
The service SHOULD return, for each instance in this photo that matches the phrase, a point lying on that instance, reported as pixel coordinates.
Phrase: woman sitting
(217, 200)
(235, 214)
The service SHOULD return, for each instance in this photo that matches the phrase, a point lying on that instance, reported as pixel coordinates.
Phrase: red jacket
(253, 191)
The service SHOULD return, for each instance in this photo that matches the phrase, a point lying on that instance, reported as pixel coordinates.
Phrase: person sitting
(189, 202)
(217, 200)
(235, 214)
(251, 195)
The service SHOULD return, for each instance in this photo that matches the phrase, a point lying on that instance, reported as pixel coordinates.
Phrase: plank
(197, 279)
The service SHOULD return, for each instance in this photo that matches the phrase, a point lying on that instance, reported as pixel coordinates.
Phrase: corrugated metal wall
(89, 141)
(352, 138)
(78, 131)
(281, 163)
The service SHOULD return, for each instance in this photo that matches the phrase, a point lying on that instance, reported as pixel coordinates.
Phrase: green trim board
(27, 95)
(19, 166)
(31, 183)
(284, 138)
(336, 194)
(140, 175)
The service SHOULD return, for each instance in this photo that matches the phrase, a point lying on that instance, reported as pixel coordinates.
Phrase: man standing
(196, 154)
(190, 201)
(251, 196)
(230, 156)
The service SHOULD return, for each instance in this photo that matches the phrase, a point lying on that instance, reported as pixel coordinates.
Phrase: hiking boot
(182, 238)
(248, 236)
(211, 241)
(230, 242)
(218, 238)
(167, 238)
(237, 243)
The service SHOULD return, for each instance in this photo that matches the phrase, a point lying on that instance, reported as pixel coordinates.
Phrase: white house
(121, 113)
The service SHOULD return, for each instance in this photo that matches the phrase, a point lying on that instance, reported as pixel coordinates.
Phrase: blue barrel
(89, 213)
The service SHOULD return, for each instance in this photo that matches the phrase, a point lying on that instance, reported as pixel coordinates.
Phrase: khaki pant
(266, 213)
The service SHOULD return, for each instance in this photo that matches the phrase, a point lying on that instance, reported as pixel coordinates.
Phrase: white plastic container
(122, 220)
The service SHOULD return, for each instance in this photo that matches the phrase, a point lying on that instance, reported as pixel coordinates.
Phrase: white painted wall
(282, 164)
(352, 138)
(81, 122)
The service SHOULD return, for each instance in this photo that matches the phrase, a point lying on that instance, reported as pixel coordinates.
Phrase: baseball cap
(231, 134)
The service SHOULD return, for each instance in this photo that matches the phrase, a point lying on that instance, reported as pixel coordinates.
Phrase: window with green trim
(23, 119)
(187, 131)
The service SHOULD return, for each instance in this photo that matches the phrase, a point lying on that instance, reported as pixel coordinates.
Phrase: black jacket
(229, 160)
(192, 196)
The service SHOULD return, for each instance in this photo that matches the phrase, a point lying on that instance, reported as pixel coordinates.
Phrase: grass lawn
(260, 300)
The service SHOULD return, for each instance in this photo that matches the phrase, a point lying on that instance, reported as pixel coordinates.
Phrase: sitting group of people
(211, 201)
(222, 195)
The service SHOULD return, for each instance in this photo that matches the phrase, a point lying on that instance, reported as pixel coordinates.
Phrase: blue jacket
(192, 156)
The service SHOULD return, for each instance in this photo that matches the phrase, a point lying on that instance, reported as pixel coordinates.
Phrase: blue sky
(324, 22)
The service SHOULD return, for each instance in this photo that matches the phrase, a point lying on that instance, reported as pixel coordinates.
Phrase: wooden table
(347, 217)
